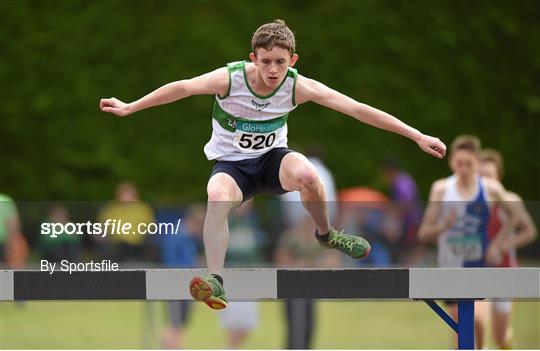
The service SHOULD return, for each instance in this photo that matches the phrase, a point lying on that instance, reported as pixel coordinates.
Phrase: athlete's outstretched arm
(499, 244)
(525, 228)
(215, 82)
(312, 90)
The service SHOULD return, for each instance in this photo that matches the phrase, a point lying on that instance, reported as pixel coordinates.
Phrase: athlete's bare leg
(502, 332)
(224, 195)
(481, 314)
(296, 173)
(173, 338)
(481, 309)
(237, 338)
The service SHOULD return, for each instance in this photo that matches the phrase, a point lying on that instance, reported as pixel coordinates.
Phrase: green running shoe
(351, 245)
(208, 290)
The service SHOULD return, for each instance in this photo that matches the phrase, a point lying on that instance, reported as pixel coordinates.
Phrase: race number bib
(254, 137)
(468, 247)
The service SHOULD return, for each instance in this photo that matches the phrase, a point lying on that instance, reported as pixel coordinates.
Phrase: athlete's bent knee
(219, 194)
(308, 178)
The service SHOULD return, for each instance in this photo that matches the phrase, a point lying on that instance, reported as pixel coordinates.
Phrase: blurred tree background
(445, 67)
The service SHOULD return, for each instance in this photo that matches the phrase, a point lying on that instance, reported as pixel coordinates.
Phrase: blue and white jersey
(465, 244)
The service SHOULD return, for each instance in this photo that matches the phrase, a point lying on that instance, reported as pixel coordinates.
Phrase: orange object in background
(369, 197)
(16, 251)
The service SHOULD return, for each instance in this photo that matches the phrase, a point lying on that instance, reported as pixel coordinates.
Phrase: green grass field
(346, 325)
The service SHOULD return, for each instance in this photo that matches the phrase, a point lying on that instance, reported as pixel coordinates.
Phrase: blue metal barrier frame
(464, 327)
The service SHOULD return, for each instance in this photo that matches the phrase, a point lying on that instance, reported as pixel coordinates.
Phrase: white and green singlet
(245, 124)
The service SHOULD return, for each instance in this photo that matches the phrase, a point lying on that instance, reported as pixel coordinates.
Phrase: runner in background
(181, 250)
(524, 232)
(296, 248)
(457, 216)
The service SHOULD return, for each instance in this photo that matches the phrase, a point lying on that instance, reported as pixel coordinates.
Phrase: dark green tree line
(445, 67)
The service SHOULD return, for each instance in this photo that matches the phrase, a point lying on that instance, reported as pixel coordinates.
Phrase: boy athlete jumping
(249, 143)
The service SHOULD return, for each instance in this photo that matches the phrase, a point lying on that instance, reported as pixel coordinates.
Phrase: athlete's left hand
(494, 255)
(433, 146)
(507, 245)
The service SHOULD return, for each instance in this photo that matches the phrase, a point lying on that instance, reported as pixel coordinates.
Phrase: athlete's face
(488, 169)
(273, 64)
(464, 163)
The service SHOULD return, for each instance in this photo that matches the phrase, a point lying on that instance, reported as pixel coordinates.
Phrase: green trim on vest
(229, 122)
(231, 67)
(294, 74)
(236, 66)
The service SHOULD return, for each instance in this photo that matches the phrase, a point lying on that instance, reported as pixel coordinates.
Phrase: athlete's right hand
(451, 219)
(115, 106)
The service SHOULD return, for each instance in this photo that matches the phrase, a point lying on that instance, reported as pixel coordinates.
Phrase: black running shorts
(256, 175)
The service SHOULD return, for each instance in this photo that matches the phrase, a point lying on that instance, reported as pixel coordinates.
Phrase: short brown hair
(272, 34)
(492, 155)
(466, 142)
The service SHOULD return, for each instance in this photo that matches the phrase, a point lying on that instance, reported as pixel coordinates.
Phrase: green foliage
(446, 67)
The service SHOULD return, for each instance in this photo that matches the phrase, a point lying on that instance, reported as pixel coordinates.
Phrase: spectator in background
(246, 243)
(180, 250)
(407, 208)
(13, 245)
(63, 247)
(129, 209)
(296, 248)
(402, 185)
(524, 232)
(367, 211)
